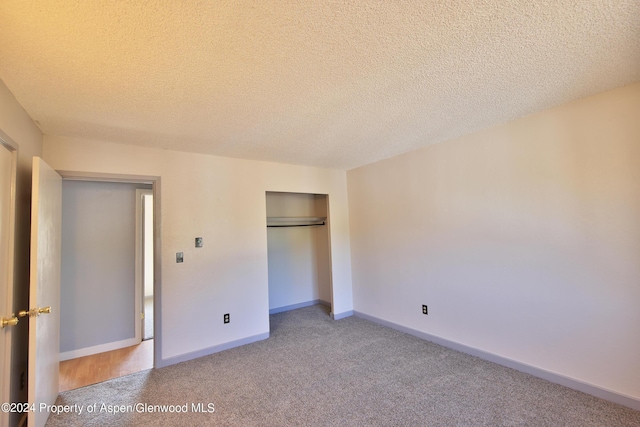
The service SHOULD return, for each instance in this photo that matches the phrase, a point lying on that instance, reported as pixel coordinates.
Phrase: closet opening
(299, 257)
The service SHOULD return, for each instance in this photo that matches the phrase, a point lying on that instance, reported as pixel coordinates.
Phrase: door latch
(34, 312)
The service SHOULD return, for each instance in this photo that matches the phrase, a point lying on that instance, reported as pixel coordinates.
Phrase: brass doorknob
(34, 312)
(12, 321)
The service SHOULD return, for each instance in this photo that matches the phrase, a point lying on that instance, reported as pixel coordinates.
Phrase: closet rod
(298, 225)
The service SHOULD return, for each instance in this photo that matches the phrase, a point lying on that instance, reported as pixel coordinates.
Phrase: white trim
(7, 309)
(137, 298)
(139, 276)
(101, 348)
(554, 377)
(332, 302)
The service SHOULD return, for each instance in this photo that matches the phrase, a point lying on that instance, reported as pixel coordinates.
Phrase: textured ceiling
(328, 83)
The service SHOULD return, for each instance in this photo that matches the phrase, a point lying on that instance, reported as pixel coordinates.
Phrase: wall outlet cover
(425, 310)
(179, 257)
(198, 242)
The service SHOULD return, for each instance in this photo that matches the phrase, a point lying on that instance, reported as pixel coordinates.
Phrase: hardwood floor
(100, 367)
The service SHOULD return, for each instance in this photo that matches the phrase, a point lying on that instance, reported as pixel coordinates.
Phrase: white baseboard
(87, 351)
(594, 390)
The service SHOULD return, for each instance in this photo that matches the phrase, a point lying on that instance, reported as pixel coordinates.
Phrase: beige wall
(17, 124)
(223, 201)
(523, 239)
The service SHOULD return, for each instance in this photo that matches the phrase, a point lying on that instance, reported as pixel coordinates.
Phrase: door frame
(157, 241)
(7, 380)
(141, 227)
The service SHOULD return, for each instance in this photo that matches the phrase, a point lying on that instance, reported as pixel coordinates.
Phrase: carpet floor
(314, 371)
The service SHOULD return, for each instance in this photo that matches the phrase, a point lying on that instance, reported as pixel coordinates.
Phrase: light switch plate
(179, 257)
(198, 242)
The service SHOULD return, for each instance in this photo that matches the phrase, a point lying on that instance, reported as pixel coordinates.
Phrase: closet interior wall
(298, 256)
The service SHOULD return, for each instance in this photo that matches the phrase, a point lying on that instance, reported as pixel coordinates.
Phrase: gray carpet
(314, 371)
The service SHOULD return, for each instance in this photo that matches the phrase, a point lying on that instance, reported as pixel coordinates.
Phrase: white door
(7, 218)
(44, 329)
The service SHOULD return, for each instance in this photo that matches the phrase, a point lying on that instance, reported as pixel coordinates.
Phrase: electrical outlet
(179, 257)
(425, 310)
(198, 242)
(226, 318)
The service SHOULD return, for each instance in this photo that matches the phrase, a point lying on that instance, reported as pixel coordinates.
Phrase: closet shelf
(295, 221)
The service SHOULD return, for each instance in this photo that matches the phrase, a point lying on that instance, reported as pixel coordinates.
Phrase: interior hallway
(93, 369)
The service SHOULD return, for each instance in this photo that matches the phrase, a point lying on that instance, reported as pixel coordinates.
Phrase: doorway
(44, 285)
(105, 243)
